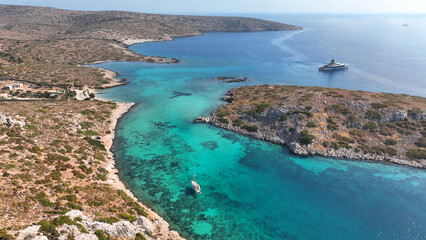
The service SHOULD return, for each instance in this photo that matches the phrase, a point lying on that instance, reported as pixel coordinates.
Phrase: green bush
(224, 113)
(150, 234)
(223, 120)
(100, 234)
(421, 142)
(311, 125)
(109, 220)
(416, 153)
(372, 115)
(95, 143)
(91, 133)
(78, 174)
(306, 138)
(259, 108)
(4, 235)
(48, 229)
(378, 105)
(332, 125)
(357, 133)
(250, 128)
(61, 220)
(371, 126)
(127, 217)
(237, 122)
(139, 236)
(74, 206)
(338, 109)
(390, 142)
(335, 145)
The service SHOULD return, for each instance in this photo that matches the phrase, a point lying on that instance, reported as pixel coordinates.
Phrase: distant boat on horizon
(333, 65)
(405, 25)
(194, 184)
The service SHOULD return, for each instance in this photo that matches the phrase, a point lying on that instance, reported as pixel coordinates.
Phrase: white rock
(4, 119)
(142, 223)
(69, 229)
(29, 232)
(77, 213)
(86, 236)
(123, 229)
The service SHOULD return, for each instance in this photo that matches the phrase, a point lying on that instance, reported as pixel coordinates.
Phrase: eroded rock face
(121, 230)
(421, 116)
(143, 223)
(394, 117)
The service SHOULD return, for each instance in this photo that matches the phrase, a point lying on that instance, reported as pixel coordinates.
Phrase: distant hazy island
(330, 122)
(58, 176)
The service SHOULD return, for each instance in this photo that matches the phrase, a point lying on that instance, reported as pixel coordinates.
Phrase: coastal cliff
(329, 122)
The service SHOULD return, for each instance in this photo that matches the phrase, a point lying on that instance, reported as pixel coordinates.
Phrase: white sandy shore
(162, 228)
(132, 41)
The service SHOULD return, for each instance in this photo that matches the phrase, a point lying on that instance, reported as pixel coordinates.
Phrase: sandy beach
(162, 228)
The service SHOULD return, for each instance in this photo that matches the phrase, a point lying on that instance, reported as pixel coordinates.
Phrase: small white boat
(194, 184)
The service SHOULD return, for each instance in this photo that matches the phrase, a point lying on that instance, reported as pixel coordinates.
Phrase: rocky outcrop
(328, 122)
(121, 230)
(11, 121)
(395, 116)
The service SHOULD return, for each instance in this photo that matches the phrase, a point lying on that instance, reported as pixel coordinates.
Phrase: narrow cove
(251, 189)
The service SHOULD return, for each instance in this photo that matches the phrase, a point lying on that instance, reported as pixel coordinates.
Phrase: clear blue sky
(236, 6)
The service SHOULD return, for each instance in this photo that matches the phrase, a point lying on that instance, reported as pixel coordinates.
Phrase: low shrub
(390, 142)
(311, 125)
(109, 220)
(371, 126)
(372, 115)
(100, 234)
(237, 122)
(127, 217)
(416, 153)
(250, 128)
(306, 138)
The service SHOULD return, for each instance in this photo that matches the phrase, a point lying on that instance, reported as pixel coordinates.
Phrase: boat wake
(280, 42)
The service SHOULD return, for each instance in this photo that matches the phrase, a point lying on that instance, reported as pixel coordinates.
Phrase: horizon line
(228, 12)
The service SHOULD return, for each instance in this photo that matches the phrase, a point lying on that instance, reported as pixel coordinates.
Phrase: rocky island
(58, 177)
(329, 122)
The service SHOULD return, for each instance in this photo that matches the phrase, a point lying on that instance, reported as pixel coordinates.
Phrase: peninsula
(58, 176)
(329, 122)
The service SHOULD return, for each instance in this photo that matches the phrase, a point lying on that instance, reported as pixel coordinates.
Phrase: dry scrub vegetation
(56, 162)
(323, 119)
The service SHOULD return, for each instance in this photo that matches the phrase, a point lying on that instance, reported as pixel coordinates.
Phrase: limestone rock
(394, 117)
(8, 120)
(77, 213)
(142, 223)
(29, 233)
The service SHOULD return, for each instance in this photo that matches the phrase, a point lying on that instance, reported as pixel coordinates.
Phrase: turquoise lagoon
(254, 189)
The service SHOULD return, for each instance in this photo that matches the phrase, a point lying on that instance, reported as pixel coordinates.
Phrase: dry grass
(336, 118)
(55, 163)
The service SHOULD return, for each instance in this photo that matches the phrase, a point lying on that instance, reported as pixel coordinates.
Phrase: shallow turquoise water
(252, 189)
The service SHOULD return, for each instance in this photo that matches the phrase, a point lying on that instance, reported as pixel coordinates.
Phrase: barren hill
(26, 22)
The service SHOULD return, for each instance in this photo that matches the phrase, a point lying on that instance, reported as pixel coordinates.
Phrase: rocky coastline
(336, 126)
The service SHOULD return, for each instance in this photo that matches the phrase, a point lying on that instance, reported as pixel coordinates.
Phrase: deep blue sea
(254, 189)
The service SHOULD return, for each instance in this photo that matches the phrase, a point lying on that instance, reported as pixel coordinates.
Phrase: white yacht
(333, 65)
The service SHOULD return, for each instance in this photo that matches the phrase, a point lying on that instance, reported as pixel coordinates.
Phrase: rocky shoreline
(286, 124)
(291, 142)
